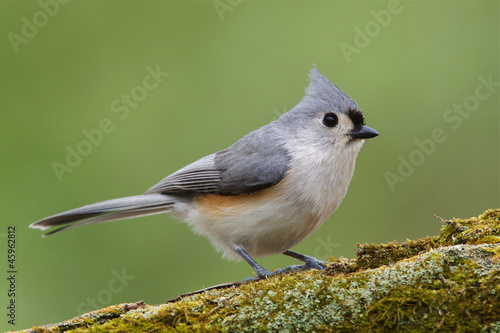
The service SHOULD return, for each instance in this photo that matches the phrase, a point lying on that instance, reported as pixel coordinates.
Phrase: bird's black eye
(330, 120)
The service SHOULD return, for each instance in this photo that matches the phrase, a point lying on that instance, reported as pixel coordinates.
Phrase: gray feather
(108, 210)
(321, 89)
(198, 177)
(256, 161)
(112, 217)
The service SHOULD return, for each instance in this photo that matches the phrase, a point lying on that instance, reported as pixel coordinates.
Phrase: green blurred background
(231, 69)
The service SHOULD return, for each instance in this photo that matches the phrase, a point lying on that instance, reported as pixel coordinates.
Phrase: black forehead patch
(356, 117)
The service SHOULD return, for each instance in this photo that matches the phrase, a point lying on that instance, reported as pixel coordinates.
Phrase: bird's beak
(364, 132)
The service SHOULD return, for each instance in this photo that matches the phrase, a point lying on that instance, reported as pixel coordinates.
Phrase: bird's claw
(311, 263)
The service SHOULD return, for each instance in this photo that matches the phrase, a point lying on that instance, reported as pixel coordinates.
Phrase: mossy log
(445, 283)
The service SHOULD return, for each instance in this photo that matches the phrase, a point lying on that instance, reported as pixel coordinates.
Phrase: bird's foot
(311, 263)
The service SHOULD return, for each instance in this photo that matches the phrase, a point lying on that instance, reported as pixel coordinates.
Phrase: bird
(263, 194)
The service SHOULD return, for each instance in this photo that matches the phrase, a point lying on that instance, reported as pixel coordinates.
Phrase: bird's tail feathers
(107, 211)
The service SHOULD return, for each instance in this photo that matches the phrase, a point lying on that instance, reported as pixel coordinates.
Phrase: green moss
(88, 319)
(495, 251)
(376, 255)
(469, 305)
(450, 283)
(493, 328)
(484, 229)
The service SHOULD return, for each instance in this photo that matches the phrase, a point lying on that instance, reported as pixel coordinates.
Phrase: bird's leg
(262, 273)
(259, 270)
(310, 262)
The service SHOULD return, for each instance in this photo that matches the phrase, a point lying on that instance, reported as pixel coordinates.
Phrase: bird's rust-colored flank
(216, 203)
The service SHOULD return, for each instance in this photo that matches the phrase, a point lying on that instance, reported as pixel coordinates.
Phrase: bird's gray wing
(199, 176)
(253, 163)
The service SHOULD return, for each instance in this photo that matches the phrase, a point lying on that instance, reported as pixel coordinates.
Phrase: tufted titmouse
(265, 193)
